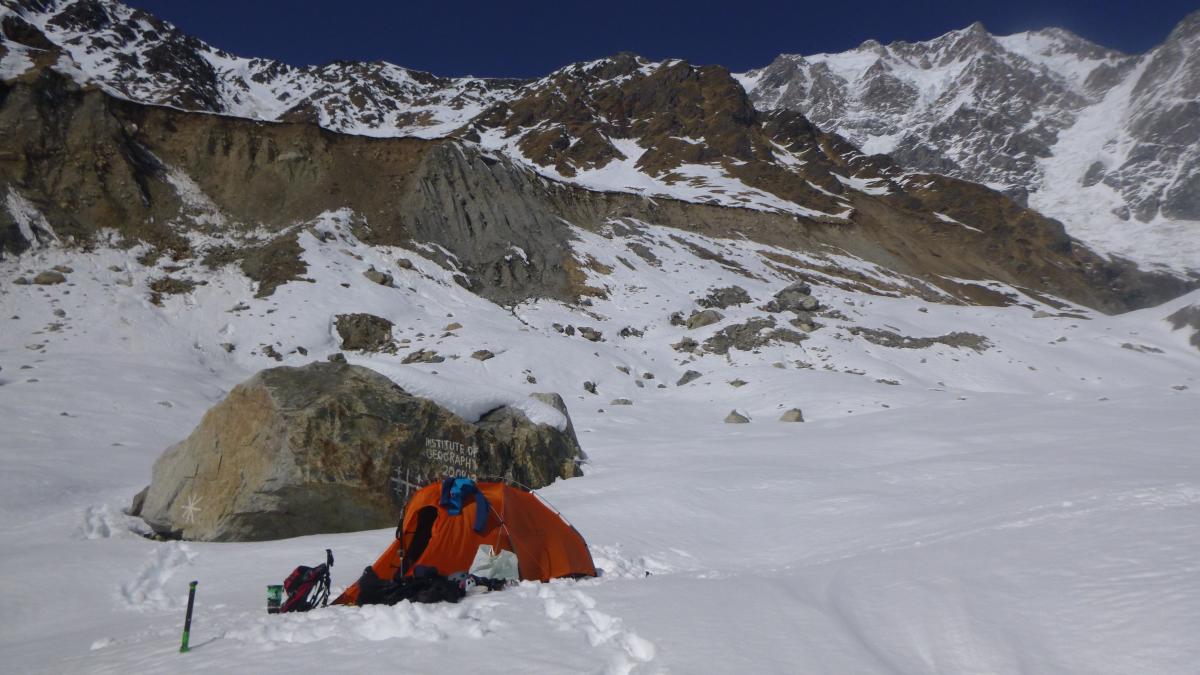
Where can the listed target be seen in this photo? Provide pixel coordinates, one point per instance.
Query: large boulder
(364, 332)
(332, 447)
(706, 317)
(796, 298)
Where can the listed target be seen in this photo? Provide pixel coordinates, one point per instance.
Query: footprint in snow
(572, 609)
(149, 590)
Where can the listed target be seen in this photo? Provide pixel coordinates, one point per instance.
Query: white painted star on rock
(191, 508)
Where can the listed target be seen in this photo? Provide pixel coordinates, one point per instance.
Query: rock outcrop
(364, 332)
(330, 447)
(750, 335)
(1187, 318)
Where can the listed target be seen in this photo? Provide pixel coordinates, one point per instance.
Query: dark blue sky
(523, 39)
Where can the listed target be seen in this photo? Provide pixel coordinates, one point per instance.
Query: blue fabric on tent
(455, 492)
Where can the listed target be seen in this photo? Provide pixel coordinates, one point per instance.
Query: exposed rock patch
(720, 298)
(1188, 317)
(887, 338)
(169, 285)
(750, 335)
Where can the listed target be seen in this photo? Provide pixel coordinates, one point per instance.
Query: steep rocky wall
(88, 162)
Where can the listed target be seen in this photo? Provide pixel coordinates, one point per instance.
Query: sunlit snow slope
(1030, 507)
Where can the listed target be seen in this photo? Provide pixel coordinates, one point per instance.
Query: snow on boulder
(331, 447)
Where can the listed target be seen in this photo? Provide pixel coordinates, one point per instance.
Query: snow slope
(1028, 508)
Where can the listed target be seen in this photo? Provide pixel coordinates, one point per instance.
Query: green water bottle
(274, 598)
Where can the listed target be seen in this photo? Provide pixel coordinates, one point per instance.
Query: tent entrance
(420, 538)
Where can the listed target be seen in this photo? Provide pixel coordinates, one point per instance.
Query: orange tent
(547, 547)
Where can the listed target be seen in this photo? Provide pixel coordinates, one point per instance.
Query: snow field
(1030, 508)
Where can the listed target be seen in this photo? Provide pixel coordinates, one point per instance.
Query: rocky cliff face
(1086, 134)
(497, 203)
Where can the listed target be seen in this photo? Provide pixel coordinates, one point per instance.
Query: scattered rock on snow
(423, 356)
(381, 278)
(590, 387)
(620, 401)
(49, 278)
(590, 334)
(1145, 349)
(793, 415)
(688, 377)
(735, 417)
(483, 355)
(687, 344)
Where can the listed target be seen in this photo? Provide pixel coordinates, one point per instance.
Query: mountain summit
(1108, 143)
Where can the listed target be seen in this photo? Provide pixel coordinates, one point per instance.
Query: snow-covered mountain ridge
(135, 55)
(1108, 143)
(131, 54)
(667, 143)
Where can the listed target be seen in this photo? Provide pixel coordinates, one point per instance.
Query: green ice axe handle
(187, 621)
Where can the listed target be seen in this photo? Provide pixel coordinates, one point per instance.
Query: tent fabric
(547, 547)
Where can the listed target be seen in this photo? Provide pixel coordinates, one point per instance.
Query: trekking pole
(187, 621)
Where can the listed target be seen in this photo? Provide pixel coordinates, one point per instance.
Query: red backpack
(307, 587)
